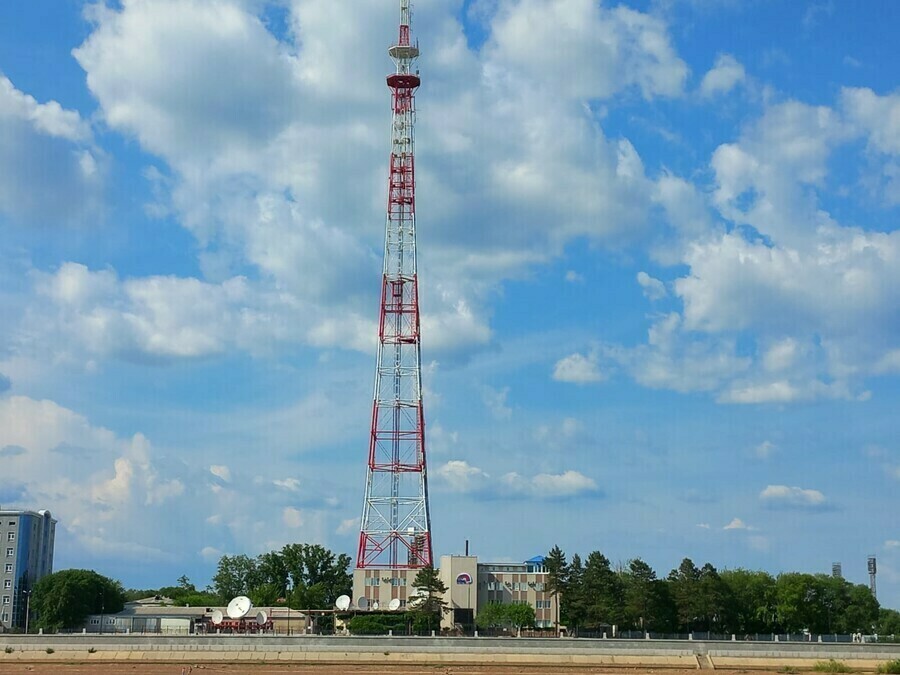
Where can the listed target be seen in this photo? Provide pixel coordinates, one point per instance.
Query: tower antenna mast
(395, 531)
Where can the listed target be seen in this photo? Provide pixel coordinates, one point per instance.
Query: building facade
(470, 585)
(27, 539)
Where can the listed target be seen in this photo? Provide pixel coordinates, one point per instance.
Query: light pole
(102, 607)
(289, 591)
(27, 595)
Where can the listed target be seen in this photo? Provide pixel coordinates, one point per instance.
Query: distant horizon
(659, 268)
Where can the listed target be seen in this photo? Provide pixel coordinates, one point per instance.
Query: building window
(10, 536)
(5, 617)
(9, 553)
(7, 583)
(5, 599)
(95, 622)
(373, 581)
(398, 581)
(9, 568)
(110, 620)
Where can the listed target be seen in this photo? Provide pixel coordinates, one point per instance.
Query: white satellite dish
(417, 597)
(394, 604)
(362, 602)
(261, 618)
(342, 603)
(217, 616)
(239, 607)
(375, 605)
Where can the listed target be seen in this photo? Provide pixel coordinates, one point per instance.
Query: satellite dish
(363, 602)
(239, 607)
(394, 604)
(217, 616)
(375, 605)
(343, 602)
(261, 618)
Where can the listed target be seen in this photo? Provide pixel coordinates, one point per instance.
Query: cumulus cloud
(578, 369)
(784, 497)
(49, 169)
(220, 471)
(737, 524)
(724, 76)
(653, 289)
(764, 450)
(460, 476)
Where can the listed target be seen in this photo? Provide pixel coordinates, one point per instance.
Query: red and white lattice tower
(396, 527)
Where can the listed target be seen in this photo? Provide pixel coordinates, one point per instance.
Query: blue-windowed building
(26, 554)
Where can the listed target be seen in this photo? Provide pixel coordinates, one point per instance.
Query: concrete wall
(647, 652)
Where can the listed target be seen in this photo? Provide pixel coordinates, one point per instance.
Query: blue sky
(658, 248)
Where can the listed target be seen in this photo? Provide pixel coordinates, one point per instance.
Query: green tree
(557, 574)
(714, 599)
(509, 615)
(428, 610)
(861, 613)
(684, 583)
(888, 622)
(604, 593)
(573, 611)
(640, 591)
(235, 575)
(753, 601)
(65, 599)
(318, 575)
(801, 603)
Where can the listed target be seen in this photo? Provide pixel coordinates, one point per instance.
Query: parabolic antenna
(239, 607)
(342, 603)
(417, 597)
(394, 604)
(375, 605)
(362, 602)
(261, 618)
(217, 616)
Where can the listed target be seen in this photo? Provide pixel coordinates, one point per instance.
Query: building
(26, 543)
(470, 585)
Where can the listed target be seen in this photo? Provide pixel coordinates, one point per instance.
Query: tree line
(595, 596)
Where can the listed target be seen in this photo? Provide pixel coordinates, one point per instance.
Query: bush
(92, 651)
(832, 666)
(49, 650)
(378, 624)
(8, 650)
(892, 667)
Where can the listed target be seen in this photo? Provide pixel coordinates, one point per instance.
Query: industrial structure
(27, 539)
(395, 531)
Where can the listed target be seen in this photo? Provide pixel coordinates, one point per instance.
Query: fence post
(733, 637)
(476, 633)
(691, 635)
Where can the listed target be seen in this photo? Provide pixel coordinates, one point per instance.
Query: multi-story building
(26, 555)
(470, 585)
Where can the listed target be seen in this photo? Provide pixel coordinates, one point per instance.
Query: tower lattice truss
(396, 526)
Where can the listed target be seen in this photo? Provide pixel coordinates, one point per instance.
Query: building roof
(536, 560)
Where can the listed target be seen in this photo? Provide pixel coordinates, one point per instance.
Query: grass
(832, 666)
(92, 651)
(788, 670)
(890, 667)
(8, 650)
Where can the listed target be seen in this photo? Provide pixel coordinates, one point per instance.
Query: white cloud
(724, 76)
(784, 497)
(578, 369)
(892, 543)
(289, 484)
(348, 526)
(574, 277)
(624, 47)
(737, 524)
(461, 477)
(496, 402)
(49, 171)
(292, 517)
(703, 526)
(653, 289)
(764, 450)
(221, 471)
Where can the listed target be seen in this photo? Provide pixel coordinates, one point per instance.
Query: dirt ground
(251, 669)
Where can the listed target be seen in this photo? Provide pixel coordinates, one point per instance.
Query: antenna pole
(395, 530)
